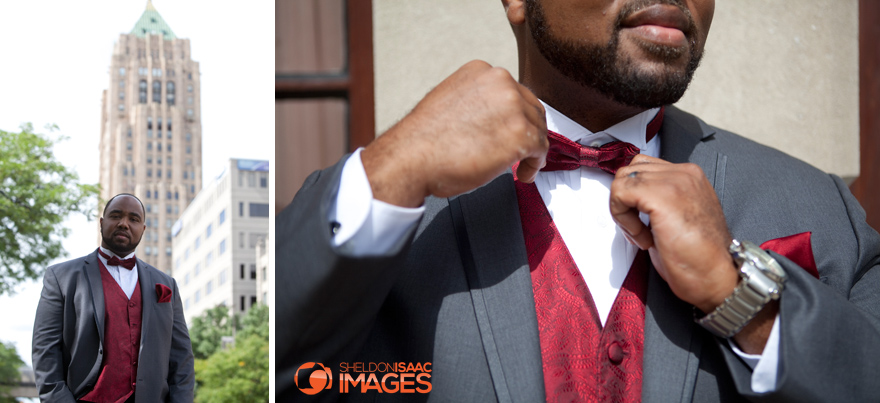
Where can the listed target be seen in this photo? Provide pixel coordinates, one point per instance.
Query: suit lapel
(93, 275)
(490, 239)
(148, 297)
(672, 344)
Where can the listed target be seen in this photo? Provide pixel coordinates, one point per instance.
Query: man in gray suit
(439, 264)
(109, 327)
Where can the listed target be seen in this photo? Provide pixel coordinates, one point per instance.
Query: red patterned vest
(122, 339)
(582, 361)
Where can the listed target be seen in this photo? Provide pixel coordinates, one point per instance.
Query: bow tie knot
(566, 155)
(115, 261)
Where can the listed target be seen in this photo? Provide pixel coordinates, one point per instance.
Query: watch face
(764, 261)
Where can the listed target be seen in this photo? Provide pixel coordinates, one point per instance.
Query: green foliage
(207, 329)
(239, 373)
(236, 375)
(10, 362)
(36, 194)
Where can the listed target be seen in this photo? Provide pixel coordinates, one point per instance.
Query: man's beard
(116, 247)
(605, 70)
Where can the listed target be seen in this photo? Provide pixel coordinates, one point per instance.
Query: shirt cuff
(764, 366)
(367, 226)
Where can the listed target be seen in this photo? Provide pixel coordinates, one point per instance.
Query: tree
(208, 329)
(10, 363)
(239, 373)
(36, 194)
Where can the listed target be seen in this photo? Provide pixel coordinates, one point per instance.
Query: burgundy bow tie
(115, 261)
(567, 155)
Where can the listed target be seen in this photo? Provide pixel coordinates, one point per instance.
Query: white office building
(214, 241)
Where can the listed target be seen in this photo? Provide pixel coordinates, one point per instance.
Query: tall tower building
(151, 131)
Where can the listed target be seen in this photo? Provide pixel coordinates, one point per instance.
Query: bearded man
(616, 261)
(109, 327)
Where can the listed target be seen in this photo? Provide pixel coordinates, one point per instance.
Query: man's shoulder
(750, 155)
(72, 264)
(156, 273)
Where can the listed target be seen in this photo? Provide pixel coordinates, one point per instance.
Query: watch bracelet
(737, 310)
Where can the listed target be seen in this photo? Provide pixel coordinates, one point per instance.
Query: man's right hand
(478, 122)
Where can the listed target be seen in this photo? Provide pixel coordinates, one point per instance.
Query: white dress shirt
(127, 279)
(577, 201)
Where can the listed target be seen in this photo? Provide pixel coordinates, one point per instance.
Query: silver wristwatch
(762, 281)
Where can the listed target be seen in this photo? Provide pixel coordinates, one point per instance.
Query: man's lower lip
(660, 35)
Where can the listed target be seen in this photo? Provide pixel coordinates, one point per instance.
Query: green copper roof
(151, 23)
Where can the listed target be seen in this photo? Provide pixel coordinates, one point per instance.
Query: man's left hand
(688, 236)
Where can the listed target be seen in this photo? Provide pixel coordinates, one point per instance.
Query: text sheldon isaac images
(363, 377)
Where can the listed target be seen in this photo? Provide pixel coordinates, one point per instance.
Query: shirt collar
(631, 130)
(111, 254)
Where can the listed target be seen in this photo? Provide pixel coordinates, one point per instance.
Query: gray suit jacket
(458, 293)
(69, 335)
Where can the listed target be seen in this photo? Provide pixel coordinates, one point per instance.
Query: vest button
(615, 353)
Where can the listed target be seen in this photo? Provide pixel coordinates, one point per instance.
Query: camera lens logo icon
(313, 377)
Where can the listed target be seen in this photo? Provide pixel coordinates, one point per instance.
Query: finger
(535, 109)
(644, 163)
(624, 205)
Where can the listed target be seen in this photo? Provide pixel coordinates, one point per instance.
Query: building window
(209, 258)
(168, 195)
(189, 100)
(188, 150)
(198, 295)
(149, 146)
(222, 216)
(142, 71)
(186, 254)
(129, 132)
(149, 133)
(158, 160)
(169, 147)
(222, 277)
(124, 171)
(149, 172)
(197, 243)
(189, 88)
(176, 196)
(169, 124)
(128, 146)
(222, 247)
(121, 107)
(241, 209)
(189, 112)
(168, 251)
(147, 250)
(198, 269)
(185, 175)
(149, 159)
(259, 209)
(168, 208)
(168, 173)
(142, 92)
(253, 300)
(188, 136)
(186, 279)
(148, 194)
(241, 268)
(253, 272)
(158, 146)
(157, 91)
(158, 173)
(168, 223)
(242, 303)
(241, 239)
(169, 92)
(208, 231)
(263, 181)
(121, 83)
(156, 71)
(121, 95)
(209, 287)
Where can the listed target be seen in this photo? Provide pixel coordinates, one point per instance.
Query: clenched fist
(465, 132)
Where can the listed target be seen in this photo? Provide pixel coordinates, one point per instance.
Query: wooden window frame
(355, 85)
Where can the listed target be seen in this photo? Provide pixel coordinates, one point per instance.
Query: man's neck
(586, 106)
(111, 253)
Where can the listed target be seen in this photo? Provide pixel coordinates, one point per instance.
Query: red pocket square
(796, 248)
(163, 293)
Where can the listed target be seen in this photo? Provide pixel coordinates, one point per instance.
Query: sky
(54, 65)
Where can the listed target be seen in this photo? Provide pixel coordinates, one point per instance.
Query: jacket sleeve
(48, 356)
(181, 375)
(829, 335)
(327, 299)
